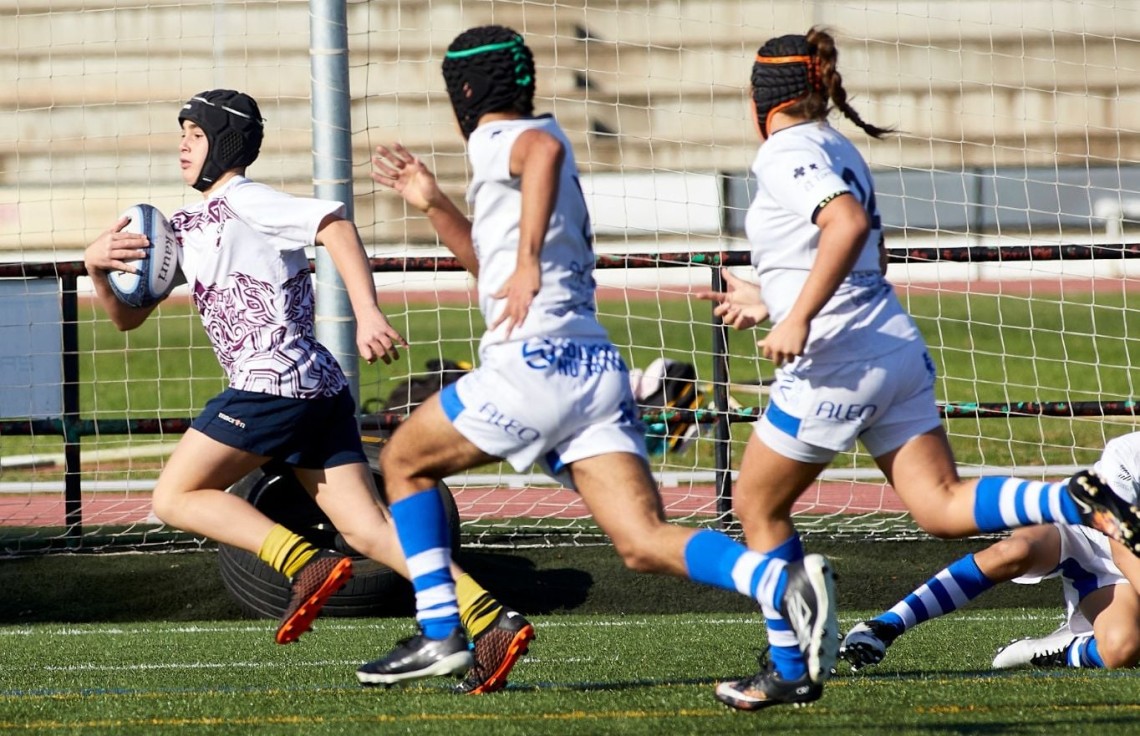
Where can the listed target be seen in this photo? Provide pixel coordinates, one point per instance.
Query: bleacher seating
(88, 122)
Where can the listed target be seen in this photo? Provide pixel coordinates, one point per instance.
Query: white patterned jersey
(564, 305)
(244, 259)
(798, 170)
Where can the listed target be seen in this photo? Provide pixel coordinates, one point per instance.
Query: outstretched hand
(399, 170)
(739, 305)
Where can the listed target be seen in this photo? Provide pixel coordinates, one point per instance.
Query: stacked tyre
(261, 591)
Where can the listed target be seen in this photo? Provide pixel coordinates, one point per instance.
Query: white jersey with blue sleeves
(564, 305)
(798, 170)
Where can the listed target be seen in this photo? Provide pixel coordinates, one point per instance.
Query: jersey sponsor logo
(571, 358)
(840, 412)
(492, 415)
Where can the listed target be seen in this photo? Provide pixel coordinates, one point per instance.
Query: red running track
(474, 502)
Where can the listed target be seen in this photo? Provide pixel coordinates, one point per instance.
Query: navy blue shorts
(306, 433)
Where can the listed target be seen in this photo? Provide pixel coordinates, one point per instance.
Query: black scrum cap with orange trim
(785, 70)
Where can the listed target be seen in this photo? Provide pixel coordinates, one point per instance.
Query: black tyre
(261, 591)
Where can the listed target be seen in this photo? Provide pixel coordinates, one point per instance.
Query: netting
(1016, 146)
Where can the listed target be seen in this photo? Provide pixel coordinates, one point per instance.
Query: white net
(1015, 127)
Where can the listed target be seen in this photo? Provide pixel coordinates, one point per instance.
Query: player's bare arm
(739, 306)
(843, 226)
(115, 250)
(375, 338)
(396, 168)
(536, 159)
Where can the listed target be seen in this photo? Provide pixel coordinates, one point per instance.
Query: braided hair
(797, 75)
(488, 69)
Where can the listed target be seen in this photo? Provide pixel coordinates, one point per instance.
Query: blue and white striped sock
(421, 525)
(715, 559)
(1002, 503)
(950, 589)
(1084, 653)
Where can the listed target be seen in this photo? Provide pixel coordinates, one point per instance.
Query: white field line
(549, 622)
(622, 623)
(148, 666)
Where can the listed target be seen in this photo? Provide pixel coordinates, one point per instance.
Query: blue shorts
(307, 433)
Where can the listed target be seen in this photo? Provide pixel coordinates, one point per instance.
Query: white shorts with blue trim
(1086, 565)
(816, 412)
(551, 401)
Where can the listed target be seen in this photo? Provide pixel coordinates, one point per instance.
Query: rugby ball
(158, 270)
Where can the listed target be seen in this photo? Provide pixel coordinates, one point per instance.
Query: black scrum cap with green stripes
(488, 69)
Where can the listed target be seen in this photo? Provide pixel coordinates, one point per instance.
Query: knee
(164, 504)
(937, 526)
(1119, 647)
(394, 462)
(637, 552)
(947, 514)
(1007, 558)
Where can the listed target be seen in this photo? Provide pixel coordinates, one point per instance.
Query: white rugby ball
(158, 270)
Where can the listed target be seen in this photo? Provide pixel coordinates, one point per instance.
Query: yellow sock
(285, 552)
(477, 608)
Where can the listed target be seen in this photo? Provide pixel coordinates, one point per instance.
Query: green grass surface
(644, 674)
(616, 653)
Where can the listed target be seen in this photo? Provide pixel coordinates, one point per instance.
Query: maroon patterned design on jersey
(261, 330)
(264, 338)
(216, 212)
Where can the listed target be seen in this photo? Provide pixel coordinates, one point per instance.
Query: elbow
(124, 325)
(128, 319)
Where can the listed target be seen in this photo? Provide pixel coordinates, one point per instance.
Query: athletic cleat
(323, 575)
(809, 606)
(866, 643)
(767, 688)
(1105, 511)
(418, 657)
(1047, 652)
(497, 650)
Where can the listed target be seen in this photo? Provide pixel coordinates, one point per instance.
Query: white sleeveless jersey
(798, 170)
(564, 305)
(244, 260)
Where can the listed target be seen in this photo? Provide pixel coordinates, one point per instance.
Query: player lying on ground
(851, 365)
(550, 387)
(1100, 580)
(243, 256)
